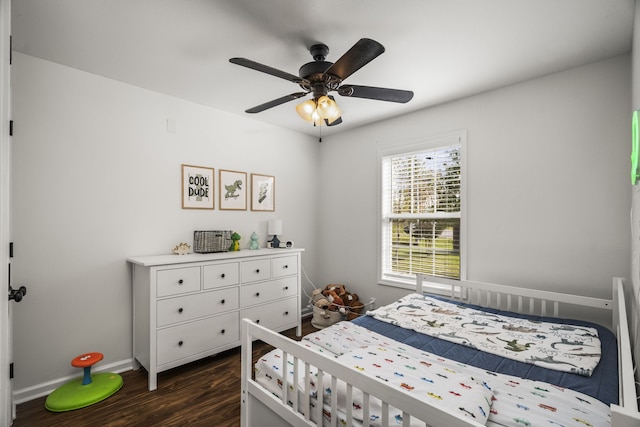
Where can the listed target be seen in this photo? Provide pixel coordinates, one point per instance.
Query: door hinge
(10, 249)
(11, 370)
(10, 127)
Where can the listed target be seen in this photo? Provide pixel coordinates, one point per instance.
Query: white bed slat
(385, 414)
(406, 419)
(334, 400)
(349, 405)
(307, 396)
(285, 389)
(365, 409)
(294, 392)
(319, 402)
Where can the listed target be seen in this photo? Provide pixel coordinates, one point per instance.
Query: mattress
(601, 385)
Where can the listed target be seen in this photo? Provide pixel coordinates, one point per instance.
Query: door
(7, 409)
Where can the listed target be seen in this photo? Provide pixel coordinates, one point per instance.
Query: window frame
(439, 285)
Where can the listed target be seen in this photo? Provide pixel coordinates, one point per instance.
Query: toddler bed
(416, 361)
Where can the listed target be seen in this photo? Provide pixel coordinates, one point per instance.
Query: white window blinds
(421, 212)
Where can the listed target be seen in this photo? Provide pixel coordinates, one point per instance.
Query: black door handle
(17, 294)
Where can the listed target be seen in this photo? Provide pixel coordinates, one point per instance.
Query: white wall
(548, 167)
(97, 178)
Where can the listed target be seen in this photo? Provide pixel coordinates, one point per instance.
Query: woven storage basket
(323, 318)
(205, 242)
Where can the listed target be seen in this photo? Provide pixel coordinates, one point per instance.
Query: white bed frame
(260, 407)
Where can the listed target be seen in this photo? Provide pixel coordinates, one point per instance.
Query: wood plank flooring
(202, 393)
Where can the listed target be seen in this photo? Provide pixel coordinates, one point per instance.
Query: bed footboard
(260, 407)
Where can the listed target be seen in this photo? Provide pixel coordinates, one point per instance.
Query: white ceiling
(440, 49)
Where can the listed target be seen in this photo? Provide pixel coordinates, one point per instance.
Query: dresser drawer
(190, 307)
(178, 281)
(284, 266)
(273, 290)
(253, 271)
(273, 315)
(192, 338)
(218, 275)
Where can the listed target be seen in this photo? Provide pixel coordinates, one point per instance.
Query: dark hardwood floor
(201, 393)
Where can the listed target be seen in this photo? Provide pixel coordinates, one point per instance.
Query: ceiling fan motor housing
(314, 72)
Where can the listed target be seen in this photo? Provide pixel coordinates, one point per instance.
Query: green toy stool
(85, 391)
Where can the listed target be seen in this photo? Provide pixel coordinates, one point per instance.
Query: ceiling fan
(320, 77)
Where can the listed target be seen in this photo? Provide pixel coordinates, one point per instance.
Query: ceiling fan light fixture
(316, 110)
(307, 110)
(328, 109)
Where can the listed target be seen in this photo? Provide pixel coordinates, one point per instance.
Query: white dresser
(186, 307)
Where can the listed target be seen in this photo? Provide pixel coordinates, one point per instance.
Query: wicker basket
(205, 242)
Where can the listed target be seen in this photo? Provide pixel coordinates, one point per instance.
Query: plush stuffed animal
(315, 296)
(354, 304)
(323, 305)
(338, 289)
(334, 299)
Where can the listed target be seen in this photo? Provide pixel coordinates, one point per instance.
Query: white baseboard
(29, 393)
(306, 312)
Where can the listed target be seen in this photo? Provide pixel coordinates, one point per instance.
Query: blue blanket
(602, 384)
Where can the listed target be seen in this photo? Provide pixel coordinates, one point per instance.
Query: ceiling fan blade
(379, 93)
(334, 123)
(360, 54)
(275, 102)
(265, 69)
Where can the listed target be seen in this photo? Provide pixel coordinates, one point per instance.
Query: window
(422, 219)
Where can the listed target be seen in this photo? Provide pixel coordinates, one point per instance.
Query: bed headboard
(529, 301)
(623, 317)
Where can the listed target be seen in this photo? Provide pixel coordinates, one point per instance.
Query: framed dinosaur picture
(263, 188)
(197, 187)
(233, 190)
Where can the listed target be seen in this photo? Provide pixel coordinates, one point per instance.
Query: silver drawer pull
(180, 343)
(180, 310)
(180, 282)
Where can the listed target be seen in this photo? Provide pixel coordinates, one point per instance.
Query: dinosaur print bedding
(561, 347)
(486, 397)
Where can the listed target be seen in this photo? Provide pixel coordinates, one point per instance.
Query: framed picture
(197, 187)
(233, 190)
(263, 192)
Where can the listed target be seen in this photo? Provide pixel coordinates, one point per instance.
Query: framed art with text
(233, 190)
(197, 187)
(263, 196)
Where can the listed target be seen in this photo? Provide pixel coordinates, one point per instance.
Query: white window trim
(431, 284)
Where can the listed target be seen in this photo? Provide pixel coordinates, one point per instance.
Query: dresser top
(153, 260)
